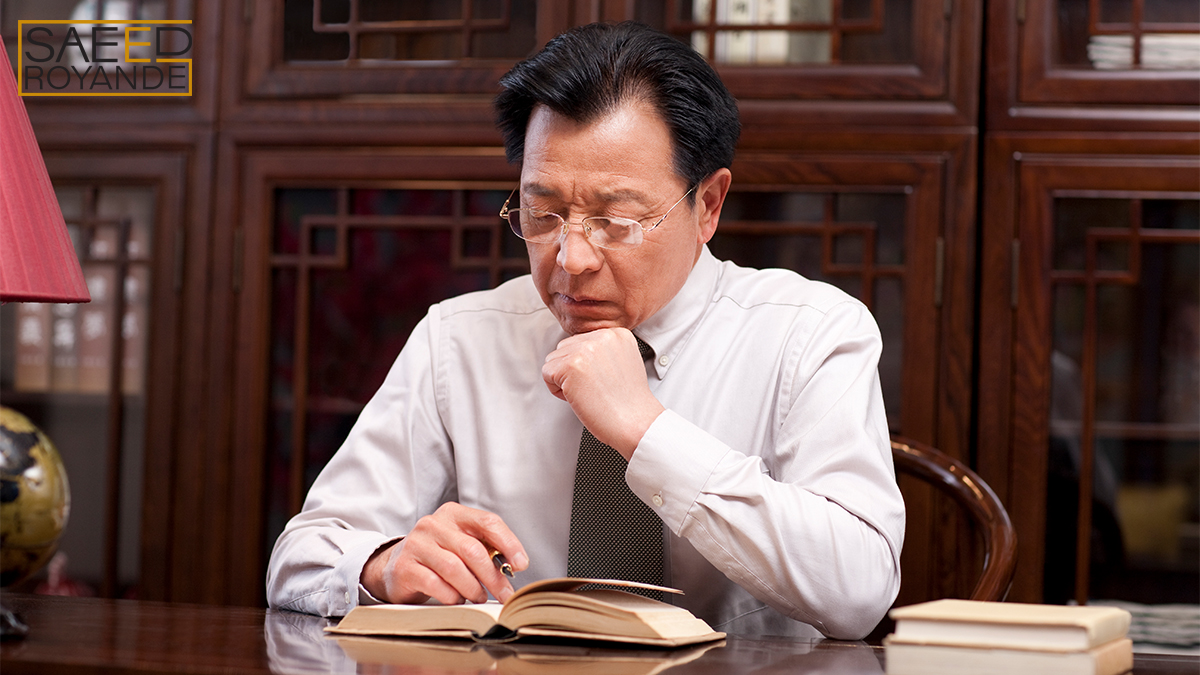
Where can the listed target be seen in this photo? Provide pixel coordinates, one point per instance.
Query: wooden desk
(73, 635)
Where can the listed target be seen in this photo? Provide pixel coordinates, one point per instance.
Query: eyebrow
(608, 197)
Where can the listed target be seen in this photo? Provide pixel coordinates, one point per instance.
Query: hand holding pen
(501, 562)
(453, 555)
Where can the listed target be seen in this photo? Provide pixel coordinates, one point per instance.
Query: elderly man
(738, 412)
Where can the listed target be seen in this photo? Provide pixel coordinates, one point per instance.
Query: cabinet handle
(939, 272)
(180, 257)
(1016, 270)
(238, 245)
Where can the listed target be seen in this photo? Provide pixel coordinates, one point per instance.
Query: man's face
(620, 165)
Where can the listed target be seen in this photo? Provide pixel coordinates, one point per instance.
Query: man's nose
(577, 254)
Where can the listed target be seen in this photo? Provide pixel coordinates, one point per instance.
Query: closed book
(903, 658)
(559, 608)
(738, 45)
(700, 14)
(64, 366)
(973, 623)
(33, 347)
(95, 328)
(771, 46)
(134, 328)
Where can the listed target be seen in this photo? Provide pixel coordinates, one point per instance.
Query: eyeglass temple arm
(504, 209)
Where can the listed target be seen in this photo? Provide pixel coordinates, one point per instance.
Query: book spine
(810, 46)
(64, 369)
(133, 330)
(700, 12)
(739, 45)
(95, 328)
(33, 347)
(771, 46)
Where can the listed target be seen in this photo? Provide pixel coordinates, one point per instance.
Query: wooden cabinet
(359, 132)
(1088, 421)
(133, 178)
(102, 378)
(1075, 64)
(338, 169)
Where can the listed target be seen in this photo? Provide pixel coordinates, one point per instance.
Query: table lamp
(37, 264)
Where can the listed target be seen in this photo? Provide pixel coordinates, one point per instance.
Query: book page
(603, 611)
(430, 620)
(912, 659)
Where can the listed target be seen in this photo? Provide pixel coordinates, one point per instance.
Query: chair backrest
(969, 491)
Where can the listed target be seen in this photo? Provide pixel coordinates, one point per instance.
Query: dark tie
(614, 535)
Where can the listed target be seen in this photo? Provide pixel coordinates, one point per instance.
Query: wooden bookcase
(313, 140)
(1091, 179)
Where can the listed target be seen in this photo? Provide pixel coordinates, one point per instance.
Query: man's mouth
(581, 301)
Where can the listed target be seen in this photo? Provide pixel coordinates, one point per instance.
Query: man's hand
(445, 557)
(602, 375)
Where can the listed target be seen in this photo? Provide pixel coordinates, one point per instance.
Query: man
(756, 432)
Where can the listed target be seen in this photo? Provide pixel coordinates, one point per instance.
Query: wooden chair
(985, 510)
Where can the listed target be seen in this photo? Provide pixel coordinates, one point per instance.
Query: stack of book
(73, 348)
(996, 638)
(1160, 51)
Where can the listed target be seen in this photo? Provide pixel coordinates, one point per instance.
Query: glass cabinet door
(352, 272)
(79, 372)
(1105, 361)
(769, 49)
(1137, 52)
(1125, 400)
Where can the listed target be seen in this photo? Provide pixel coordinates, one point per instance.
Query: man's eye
(611, 226)
(540, 220)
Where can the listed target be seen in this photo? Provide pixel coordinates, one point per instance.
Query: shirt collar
(670, 327)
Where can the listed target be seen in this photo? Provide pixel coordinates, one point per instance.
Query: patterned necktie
(614, 535)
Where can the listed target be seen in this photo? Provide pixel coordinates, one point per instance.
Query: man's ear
(710, 197)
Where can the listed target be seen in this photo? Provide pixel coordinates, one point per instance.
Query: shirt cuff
(671, 465)
(365, 597)
(348, 575)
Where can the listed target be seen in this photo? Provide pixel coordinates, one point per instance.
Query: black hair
(590, 71)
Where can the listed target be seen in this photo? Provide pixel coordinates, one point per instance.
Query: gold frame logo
(103, 76)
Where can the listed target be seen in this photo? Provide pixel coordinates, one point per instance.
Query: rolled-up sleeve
(812, 526)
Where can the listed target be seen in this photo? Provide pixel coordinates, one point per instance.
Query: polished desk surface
(75, 635)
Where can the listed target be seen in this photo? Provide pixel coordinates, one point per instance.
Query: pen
(501, 562)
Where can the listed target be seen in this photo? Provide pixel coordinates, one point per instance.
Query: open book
(520, 658)
(549, 608)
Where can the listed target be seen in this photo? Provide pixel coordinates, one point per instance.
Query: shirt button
(346, 595)
(657, 499)
(664, 360)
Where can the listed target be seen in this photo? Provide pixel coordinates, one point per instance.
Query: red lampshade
(37, 260)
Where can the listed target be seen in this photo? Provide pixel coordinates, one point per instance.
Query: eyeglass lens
(543, 227)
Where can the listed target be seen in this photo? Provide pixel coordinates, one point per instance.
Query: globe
(34, 498)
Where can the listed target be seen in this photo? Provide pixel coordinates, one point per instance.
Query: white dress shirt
(771, 466)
